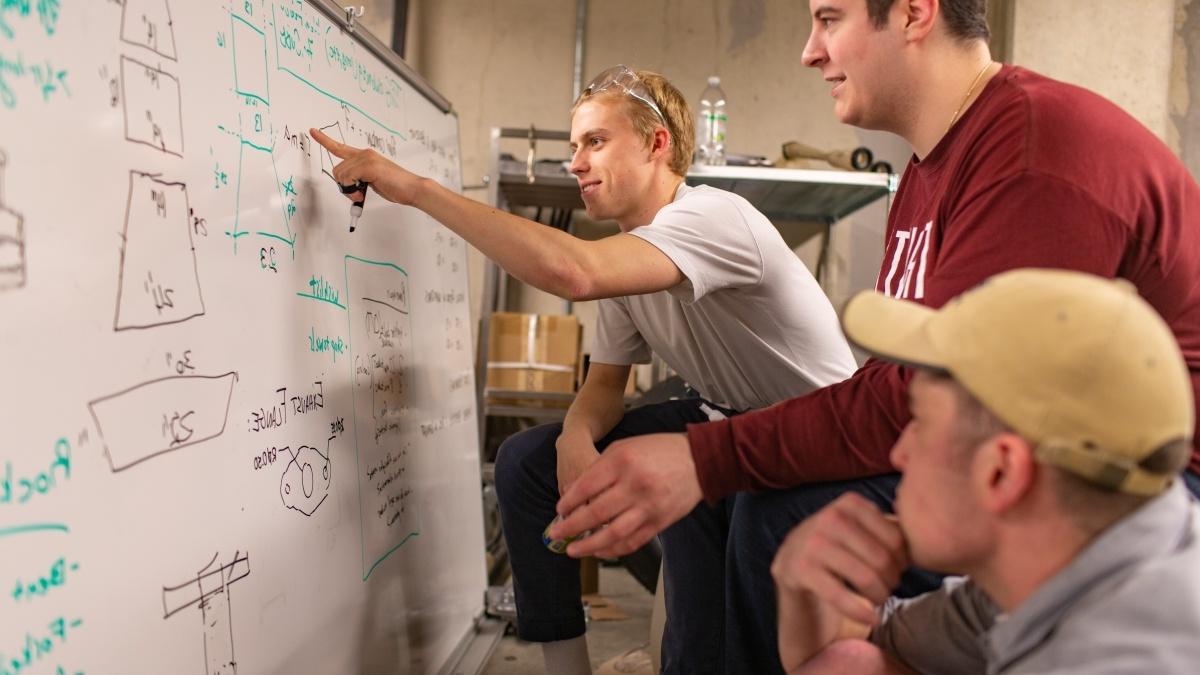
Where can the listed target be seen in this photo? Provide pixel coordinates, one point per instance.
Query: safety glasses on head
(621, 78)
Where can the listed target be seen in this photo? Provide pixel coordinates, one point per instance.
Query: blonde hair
(675, 111)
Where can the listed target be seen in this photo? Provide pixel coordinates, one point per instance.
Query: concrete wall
(510, 63)
(1144, 55)
(1184, 94)
(1121, 49)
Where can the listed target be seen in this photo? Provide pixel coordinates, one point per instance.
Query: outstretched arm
(540, 256)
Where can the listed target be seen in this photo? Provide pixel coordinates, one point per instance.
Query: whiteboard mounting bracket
(352, 15)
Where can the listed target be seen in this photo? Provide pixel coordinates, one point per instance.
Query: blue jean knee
(521, 455)
(1192, 482)
(546, 584)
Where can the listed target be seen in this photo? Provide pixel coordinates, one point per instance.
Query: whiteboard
(237, 437)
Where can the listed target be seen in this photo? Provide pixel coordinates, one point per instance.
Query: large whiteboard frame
(266, 336)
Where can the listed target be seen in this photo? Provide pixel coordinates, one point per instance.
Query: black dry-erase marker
(356, 207)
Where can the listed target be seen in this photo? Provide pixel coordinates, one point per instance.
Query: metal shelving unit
(781, 194)
(798, 194)
(823, 197)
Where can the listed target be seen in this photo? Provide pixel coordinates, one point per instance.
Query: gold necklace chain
(970, 90)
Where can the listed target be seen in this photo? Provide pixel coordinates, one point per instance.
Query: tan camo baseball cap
(1077, 364)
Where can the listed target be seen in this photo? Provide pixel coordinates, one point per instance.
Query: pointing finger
(336, 148)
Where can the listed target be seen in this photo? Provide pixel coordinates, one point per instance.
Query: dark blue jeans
(1192, 482)
(547, 584)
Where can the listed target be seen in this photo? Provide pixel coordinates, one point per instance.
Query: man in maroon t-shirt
(1009, 169)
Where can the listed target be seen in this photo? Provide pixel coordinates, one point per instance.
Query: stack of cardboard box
(533, 353)
(537, 353)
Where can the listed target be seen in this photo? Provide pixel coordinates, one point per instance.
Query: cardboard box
(533, 352)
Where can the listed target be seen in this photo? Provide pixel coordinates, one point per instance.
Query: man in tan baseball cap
(1052, 414)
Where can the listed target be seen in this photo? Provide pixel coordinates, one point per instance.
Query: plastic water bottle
(710, 129)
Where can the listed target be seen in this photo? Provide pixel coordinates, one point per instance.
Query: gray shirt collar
(1155, 529)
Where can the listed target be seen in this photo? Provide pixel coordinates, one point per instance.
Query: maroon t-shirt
(1037, 173)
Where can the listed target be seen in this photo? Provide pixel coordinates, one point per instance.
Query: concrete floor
(606, 639)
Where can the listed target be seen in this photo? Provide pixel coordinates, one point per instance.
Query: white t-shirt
(749, 325)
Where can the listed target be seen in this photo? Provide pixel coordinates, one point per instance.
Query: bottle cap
(714, 81)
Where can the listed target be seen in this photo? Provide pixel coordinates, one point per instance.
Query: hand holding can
(559, 545)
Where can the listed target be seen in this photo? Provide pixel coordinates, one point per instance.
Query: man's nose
(814, 52)
(578, 163)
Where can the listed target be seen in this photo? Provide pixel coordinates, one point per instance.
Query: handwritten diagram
(258, 171)
(159, 416)
(147, 23)
(328, 161)
(303, 46)
(250, 61)
(159, 282)
(153, 107)
(209, 590)
(304, 485)
(12, 240)
(381, 340)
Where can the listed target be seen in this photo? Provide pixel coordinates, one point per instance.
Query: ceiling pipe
(581, 8)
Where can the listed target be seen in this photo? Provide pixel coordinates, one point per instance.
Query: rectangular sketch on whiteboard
(381, 351)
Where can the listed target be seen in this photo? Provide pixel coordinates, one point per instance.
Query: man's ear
(1004, 471)
(917, 16)
(661, 142)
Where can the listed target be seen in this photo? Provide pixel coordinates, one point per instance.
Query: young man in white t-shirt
(697, 276)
